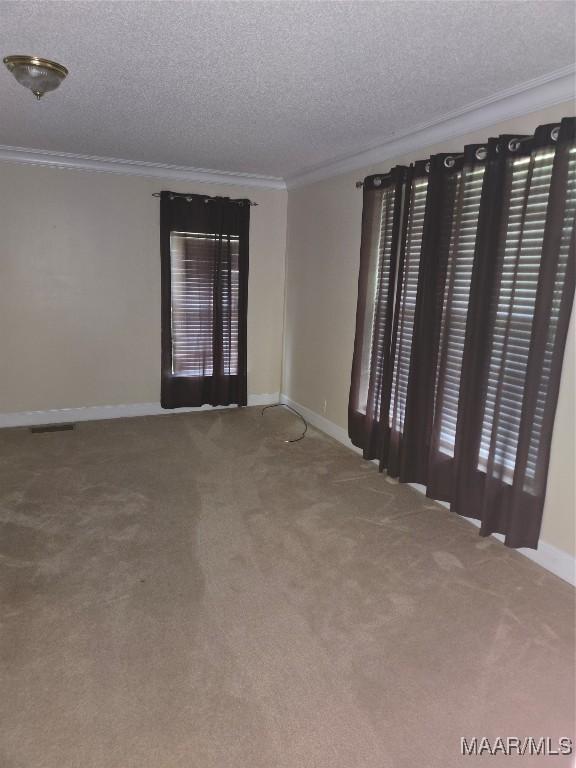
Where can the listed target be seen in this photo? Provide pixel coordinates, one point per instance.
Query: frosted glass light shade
(39, 75)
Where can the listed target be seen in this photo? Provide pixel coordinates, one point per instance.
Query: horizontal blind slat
(194, 265)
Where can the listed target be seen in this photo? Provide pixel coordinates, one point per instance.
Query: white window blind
(409, 288)
(377, 306)
(517, 289)
(460, 261)
(193, 260)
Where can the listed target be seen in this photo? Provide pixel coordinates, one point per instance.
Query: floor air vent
(52, 428)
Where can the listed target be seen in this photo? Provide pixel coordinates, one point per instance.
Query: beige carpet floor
(189, 591)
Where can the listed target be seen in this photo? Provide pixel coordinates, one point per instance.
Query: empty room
(287, 397)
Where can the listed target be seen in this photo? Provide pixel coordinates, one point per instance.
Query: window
(192, 271)
(407, 310)
(520, 260)
(377, 306)
(535, 475)
(204, 257)
(460, 261)
(475, 310)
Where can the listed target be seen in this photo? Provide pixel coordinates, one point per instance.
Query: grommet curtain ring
(191, 198)
(555, 132)
(481, 153)
(377, 181)
(514, 145)
(449, 162)
(427, 166)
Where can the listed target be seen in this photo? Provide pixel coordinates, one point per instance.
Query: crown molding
(47, 158)
(549, 90)
(542, 92)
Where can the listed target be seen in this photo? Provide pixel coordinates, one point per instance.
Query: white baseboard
(555, 560)
(99, 412)
(321, 423)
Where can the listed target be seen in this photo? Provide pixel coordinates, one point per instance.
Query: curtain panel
(382, 233)
(464, 298)
(204, 274)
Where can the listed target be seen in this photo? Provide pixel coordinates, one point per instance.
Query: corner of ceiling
(546, 91)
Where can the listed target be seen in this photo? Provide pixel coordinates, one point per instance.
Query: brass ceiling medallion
(39, 75)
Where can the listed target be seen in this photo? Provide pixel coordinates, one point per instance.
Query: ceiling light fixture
(39, 75)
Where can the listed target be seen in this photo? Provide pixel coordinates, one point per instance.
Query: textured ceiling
(265, 87)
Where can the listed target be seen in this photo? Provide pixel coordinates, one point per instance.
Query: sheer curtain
(204, 257)
(483, 284)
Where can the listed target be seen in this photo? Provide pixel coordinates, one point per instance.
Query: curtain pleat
(419, 413)
(466, 323)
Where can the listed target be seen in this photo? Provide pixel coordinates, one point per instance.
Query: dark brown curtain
(204, 258)
(522, 295)
(379, 255)
(484, 287)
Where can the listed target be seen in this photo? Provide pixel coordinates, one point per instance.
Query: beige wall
(321, 289)
(80, 287)
(80, 296)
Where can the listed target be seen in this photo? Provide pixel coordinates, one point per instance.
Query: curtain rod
(513, 146)
(206, 199)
